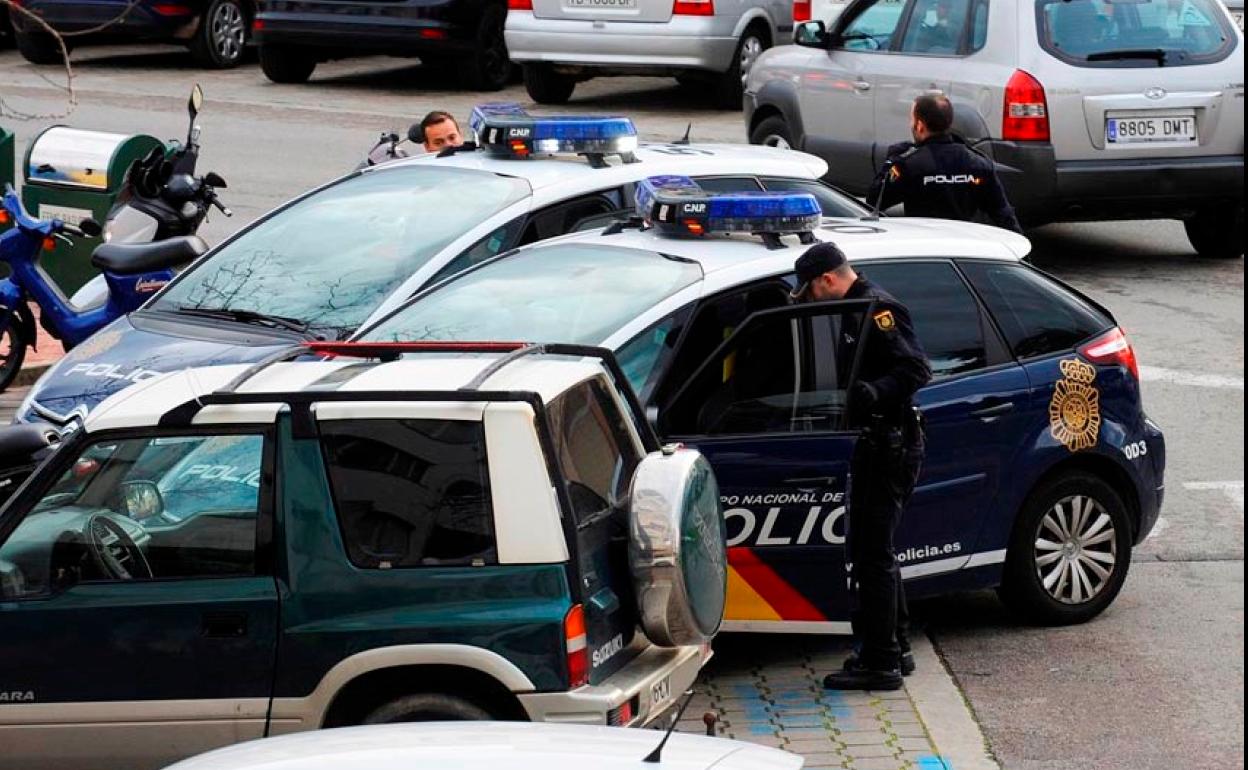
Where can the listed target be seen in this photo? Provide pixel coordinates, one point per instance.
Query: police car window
(1095, 33)
(1036, 315)
(645, 356)
(832, 202)
(944, 312)
(410, 493)
(726, 184)
(594, 449)
(873, 29)
(487, 248)
(936, 27)
(141, 508)
(563, 218)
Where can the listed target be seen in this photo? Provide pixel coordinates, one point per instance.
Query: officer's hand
(864, 395)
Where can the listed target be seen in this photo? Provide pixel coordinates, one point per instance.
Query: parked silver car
(1092, 109)
(709, 45)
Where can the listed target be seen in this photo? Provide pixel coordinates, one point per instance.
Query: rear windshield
(1134, 33)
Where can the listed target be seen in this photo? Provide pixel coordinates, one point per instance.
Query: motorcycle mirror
(90, 228)
(196, 102)
(213, 179)
(415, 135)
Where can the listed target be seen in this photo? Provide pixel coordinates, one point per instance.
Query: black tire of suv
(38, 47)
(1022, 589)
(211, 47)
(11, 364)
(545, 86)
(286, 64)
(727, 89)
(427, 707)
(488, 68)
(1218, 232)
(769, 129)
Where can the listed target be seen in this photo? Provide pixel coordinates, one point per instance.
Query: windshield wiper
(246, 316)
(1156, 54)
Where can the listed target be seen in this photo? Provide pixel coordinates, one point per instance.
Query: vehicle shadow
(155, 56)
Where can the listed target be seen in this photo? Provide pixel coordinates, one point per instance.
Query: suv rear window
(1037, 315)
(410, 493)
(595, 450)
(1134, 33)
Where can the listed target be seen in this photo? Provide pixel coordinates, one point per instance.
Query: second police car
(1042, 469)
(333, 260)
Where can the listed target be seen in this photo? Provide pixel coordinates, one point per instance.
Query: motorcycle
(161, 199)
(131, 273)
(389, 147)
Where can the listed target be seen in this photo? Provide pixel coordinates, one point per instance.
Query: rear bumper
(1044, 189)
(681, 43)
(1151, 498)
(591, 704)
(396, 30)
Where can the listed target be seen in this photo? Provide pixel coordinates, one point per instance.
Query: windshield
(1135, 33)
(330, 259)
(574, 293)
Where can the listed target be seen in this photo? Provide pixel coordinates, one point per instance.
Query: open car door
(770, 410)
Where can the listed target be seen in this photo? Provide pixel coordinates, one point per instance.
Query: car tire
(1071, 527)
(286, 64)
(1217, 232)
(728, 89)
(489, 66)
(772, 132)
(38, 47)
(12, 352)
(427, 707)
(221, 40)
(545, 86)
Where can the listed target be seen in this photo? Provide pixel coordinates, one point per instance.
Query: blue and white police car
(1042, 469)
(347, 253)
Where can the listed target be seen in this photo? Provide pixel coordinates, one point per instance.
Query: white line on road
(1233, 490)
(1190, 379)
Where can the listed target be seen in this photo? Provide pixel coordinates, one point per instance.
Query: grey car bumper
(681, 43)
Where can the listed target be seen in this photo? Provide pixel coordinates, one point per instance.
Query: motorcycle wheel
(12, 353)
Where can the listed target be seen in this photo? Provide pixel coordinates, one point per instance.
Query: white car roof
(144, 404)
(489, 746)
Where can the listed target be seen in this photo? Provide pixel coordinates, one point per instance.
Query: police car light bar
(676, 204)
(506, 130)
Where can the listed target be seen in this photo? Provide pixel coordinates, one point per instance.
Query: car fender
(307, 713)
(779, 95)
(753, 15)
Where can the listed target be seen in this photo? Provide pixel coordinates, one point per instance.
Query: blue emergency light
(676, 204)
(506, 130)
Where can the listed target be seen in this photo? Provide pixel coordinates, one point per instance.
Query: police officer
(938, 175)
(893, 367)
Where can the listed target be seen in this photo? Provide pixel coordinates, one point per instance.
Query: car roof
(570, 172)
(144, 404)
(489, 745)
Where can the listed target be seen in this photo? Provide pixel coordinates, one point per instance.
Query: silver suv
(708, 45)
(1091, 109)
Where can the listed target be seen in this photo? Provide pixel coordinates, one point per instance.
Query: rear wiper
(1156, 54)
(247, 317)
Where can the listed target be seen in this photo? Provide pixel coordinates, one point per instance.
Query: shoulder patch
(885, 321)
(894, 172)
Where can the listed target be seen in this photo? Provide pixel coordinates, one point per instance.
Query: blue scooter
(133, 272)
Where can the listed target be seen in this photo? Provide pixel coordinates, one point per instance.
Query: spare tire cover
(676, 549)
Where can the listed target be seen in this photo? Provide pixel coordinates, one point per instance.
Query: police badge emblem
(1075, 410)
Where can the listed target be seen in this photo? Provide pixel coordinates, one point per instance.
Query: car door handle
(990, 413)
(861, 86)
(224, 625)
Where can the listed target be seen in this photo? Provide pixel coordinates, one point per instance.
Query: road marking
(1232, 490)
(1159, 526)
(1190, 379)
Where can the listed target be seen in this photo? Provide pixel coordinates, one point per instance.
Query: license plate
(1161, 129)
(601, 5)
(660, 691)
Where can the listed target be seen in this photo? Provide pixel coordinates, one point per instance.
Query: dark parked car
(466, 36)
(214, 30)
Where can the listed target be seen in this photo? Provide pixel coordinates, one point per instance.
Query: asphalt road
(1157, 681)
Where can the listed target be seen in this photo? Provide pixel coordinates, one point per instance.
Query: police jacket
(943, 177)
(894, 364)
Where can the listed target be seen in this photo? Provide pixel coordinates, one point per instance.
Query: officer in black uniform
(939, 175)
(893, 367)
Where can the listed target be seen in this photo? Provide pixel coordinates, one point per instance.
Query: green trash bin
(71, 174)
(8, 157)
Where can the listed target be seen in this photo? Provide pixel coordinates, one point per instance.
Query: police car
(334, 259)
(1042, 468)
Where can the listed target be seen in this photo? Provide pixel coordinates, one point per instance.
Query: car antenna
(684, 139)
(656, 756)
(874, 216)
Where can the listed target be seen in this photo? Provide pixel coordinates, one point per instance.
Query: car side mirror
(812, 34)
(142, 499)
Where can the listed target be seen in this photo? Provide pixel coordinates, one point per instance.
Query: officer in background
(439, 131)
(938, 175)
(893, 367)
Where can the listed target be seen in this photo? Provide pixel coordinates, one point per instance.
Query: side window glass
(410, 493)
(946, 317)
(833, 203)
(644, 357)
(873, 29)
(728, 184)
(936, 27)
(979, 27)
(595, 451)
(141, 508)
(1037, 315)
(490, 246)
(564, 217)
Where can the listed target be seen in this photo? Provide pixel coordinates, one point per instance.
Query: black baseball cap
(818, 259)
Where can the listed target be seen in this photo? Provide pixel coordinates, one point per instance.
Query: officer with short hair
(439, 131)
(893, 367)
(939, 175)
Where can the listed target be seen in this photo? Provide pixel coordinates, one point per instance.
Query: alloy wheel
(776, 140)
(227, 29)
(751, 49)
(1076, 549)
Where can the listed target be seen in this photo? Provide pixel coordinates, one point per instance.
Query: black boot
(907, 663)
(864, 679)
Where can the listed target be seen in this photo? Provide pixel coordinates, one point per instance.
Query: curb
(945, 713)
(29, 374)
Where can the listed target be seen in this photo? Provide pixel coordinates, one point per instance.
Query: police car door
(768, 409)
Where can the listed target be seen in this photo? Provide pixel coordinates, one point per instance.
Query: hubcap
(1076, 549)
(227, 29)
(775, 140)
(751, 48)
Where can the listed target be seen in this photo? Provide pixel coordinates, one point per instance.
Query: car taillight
(519, 5)
(1111, 348)
(172, 9)
(577, 646)
(257, 25)
(693, 8)
(801, 11)
(1026, 110)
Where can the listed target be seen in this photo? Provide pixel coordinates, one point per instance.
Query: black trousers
(886, 467)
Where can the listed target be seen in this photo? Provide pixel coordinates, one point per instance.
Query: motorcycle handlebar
(224, 209)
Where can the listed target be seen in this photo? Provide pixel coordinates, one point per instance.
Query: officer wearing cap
(893, 367)
(938, 175)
